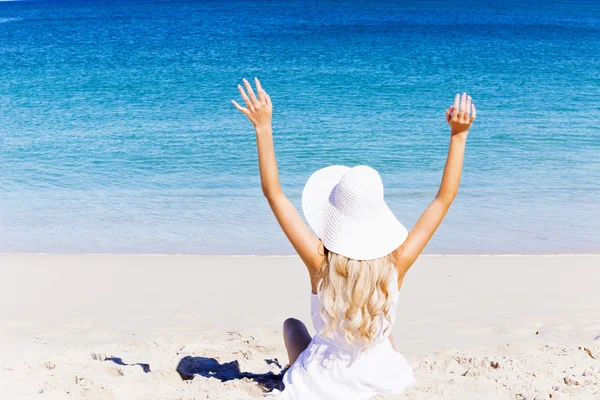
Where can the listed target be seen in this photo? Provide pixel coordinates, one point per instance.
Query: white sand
(116, 327)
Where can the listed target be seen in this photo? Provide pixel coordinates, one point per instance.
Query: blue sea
(117, 134)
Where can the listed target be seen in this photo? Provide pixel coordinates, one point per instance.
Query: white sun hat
(345, 208)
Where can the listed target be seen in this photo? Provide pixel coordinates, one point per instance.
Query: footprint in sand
(99, 356)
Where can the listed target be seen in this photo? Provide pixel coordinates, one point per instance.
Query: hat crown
(359, 193)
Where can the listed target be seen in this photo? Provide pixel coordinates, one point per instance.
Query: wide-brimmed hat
(345, 208)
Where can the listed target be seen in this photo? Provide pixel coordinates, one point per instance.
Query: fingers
(253, 104)
(449, 113)
(455, 107)
(251, 92)
(246, 99)
(242, 109)
(463, 106)
(463, 109)
(462, 112)
(259, 89)
(468, 107)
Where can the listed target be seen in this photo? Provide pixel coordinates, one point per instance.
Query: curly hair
(354, 294)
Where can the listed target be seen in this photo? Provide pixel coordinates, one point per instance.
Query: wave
(4, 20)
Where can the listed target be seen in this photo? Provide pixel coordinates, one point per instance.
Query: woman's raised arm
(259, 110)
(459, 116)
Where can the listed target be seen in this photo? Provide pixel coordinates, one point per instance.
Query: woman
(356, 263)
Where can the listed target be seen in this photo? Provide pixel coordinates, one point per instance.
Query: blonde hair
(354, 294)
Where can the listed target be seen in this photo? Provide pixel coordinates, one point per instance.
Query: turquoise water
(117, 134)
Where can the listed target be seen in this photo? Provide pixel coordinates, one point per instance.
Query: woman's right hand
(461, 115)
(259, 110)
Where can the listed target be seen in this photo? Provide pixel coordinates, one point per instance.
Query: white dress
(331, 369)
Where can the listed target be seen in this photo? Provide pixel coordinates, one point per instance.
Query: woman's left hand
(259, 110)
(461, 115)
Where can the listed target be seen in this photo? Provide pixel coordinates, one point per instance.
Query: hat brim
(356, 239)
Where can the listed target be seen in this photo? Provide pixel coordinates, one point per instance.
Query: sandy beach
(204, 327)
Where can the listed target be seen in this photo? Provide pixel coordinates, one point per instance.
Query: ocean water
(117, 134)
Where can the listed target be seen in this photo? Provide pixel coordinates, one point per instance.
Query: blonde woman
(356, 263)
